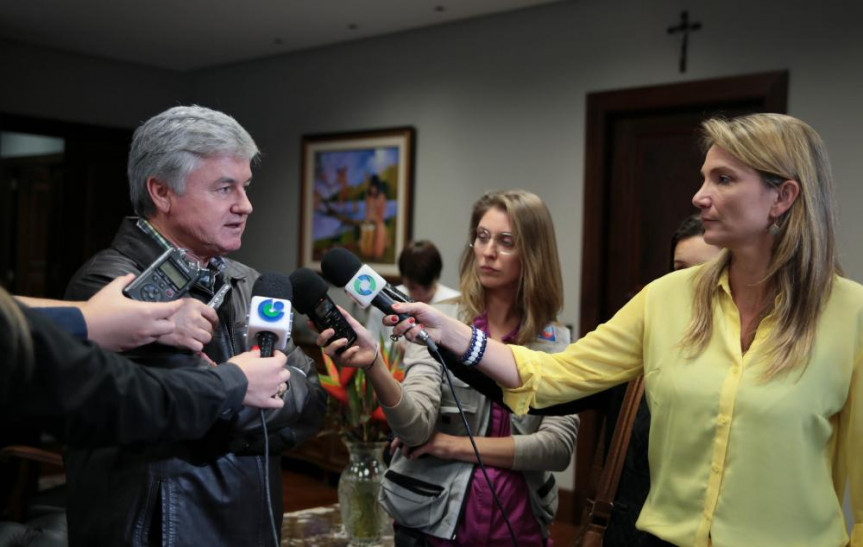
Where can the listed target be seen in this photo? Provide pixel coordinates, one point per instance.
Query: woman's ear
(787, 193)
(160, 193)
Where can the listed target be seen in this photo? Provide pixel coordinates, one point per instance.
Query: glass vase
(364, 519)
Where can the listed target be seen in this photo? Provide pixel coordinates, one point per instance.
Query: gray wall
(500, 102)
(45, 83)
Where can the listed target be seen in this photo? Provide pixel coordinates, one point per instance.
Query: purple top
(482, 522)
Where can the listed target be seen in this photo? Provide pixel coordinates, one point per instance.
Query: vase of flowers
(358, 417)
(363, 517)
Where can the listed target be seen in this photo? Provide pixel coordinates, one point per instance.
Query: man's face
(210, 217)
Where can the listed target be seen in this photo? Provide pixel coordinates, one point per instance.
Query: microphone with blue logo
(365, 286)
(270, 316)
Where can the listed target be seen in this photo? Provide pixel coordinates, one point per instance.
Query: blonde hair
(803, 261)
(540, 291)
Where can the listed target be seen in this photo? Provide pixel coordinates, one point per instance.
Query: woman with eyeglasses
(511, 289)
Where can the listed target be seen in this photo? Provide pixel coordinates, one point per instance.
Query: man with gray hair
(189, 171)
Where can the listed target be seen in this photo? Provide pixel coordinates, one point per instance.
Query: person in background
(511, 289)
(420, 265)
(189, 173)
(688, 247)
(753, 362)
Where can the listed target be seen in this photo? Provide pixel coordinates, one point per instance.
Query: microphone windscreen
(339, 265)
(310, 289)
(273, 285)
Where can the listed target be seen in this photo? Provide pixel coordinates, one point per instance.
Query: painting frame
(356, 192)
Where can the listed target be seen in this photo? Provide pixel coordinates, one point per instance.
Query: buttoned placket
(740, 362)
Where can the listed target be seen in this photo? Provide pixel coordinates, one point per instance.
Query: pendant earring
(774, 229)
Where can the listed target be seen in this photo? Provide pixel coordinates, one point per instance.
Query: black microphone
(342, 268)
(270, 314)
(312, 300)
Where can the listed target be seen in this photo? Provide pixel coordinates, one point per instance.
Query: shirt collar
(723, 282)
(207, 276)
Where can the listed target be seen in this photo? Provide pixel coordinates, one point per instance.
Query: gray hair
(170, 145)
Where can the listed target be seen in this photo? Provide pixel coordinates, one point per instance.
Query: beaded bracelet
(476, 349)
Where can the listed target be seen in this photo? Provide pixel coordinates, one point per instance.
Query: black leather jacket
(210, 491)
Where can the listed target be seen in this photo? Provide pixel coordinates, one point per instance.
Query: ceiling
(192, 34)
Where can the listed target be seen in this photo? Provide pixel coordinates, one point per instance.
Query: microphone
(313, 301)
(270, 315)
(365, 286)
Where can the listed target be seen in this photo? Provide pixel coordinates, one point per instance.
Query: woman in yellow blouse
(752, 362)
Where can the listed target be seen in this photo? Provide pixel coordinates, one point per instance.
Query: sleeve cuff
(519, 399)
(68, 318)
(235, 383)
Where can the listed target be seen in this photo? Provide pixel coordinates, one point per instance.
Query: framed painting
(356, 193)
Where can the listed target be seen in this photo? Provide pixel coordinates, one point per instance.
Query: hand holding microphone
(265, 375)
(411, 319)
(338, 331)
(366, 287)
(314, 302)
(270, 317)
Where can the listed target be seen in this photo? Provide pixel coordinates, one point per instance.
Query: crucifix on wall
(685, 27)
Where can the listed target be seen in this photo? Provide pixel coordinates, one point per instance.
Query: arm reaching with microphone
(497, 361)
(91, 397)
(304, 401)
(366, 287)
(363, 354)
(265, 375)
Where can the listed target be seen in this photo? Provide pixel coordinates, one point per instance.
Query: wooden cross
(685, 28)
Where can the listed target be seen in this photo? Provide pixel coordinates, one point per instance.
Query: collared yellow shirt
(733, 458)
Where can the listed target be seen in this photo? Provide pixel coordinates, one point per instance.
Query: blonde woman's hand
(360, 354)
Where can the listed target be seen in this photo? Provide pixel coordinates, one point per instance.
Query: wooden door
(642, 163)
(57, 211)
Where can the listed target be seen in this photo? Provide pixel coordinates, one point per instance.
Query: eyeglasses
(504, 241)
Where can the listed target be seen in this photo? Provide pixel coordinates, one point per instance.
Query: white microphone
(270, 317)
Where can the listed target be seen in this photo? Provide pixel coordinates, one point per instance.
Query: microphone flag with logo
(270, 317)
(365, 286)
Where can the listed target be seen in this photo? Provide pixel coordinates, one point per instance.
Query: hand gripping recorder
(166, 279)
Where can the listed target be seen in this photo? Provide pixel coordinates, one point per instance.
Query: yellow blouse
(732, 458)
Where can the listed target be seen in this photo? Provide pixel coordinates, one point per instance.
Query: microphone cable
(448, 375)
(267, 479)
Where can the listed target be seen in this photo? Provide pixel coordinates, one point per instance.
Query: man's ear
(787, 193)
(160, 193)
